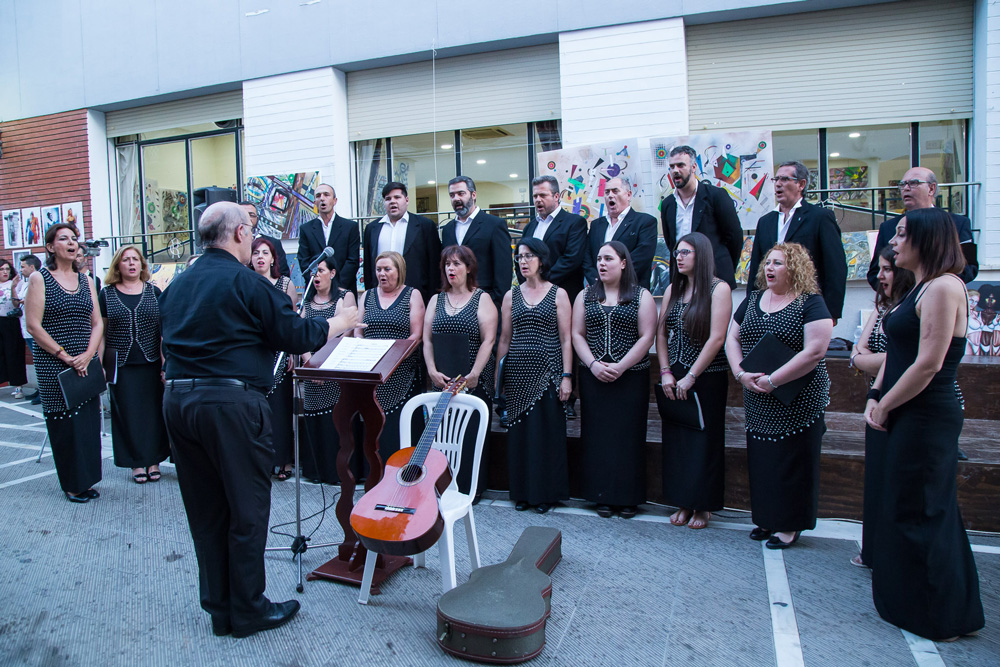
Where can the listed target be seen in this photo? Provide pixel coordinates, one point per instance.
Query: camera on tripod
(93, 248)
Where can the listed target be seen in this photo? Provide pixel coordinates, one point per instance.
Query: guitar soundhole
(410, 474)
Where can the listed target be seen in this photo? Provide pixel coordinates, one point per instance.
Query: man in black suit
(486, 236)
(282, 260)
(412, 236)
(919, 190)
(334, 231)
(634, 229)
(564, 234)
(697, 206)
(813, 227)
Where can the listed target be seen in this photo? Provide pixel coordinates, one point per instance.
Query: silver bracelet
(740, 375)
(773, 386)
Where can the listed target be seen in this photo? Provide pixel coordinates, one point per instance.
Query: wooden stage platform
(843, 458)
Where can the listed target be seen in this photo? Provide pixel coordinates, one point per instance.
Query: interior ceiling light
(480, 161)
(854, 135)
(430, 182)
(445, 147)
(834, 154)
(513, 175)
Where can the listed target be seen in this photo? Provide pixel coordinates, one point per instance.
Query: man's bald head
(219, 223)
(918, 188)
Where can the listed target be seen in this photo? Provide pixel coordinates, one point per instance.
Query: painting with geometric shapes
(285, 202)
(740, 163)
(584, 171)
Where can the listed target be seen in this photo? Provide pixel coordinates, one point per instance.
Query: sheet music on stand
(356, 354)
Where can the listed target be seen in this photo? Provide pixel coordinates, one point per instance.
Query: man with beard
(486, 236)
(564, 234)
(813, 227)
(697, 206)
(334, 231)
(412, 236)
(637, 231)
(919, 190)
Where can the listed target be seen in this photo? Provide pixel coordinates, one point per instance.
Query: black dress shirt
(964, 226)
(220, 319)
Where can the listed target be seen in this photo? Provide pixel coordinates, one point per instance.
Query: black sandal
(140, 478)
(284, 475)
(155, 475)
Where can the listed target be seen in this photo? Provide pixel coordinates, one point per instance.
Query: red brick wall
(44, 163)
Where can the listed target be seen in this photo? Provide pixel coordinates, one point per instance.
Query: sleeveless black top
(133, 323)
(534, 360)
(67, 320)
(321, 398)
(681, 347)
(611, 331)
(392, 323)
(465, 321)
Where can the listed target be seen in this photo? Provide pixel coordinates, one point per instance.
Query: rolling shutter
(178, 113)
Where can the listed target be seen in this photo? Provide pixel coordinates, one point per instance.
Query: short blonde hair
(114, 276)
(801, 270)
(397, 260)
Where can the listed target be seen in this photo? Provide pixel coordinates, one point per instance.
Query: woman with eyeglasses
(689, 345)
(461, 309)
(614, 322)
(924, 576)
(537, 379)
(263, 260)
(783, 441)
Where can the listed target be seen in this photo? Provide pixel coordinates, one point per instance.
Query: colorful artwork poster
(584, 171)
(740, 163)
(13, 230)
(743, 267)
(859, 251)
(661, 268)
(73, 214)
(284, 201)
(51, 215)
(983, 337)
(18, 255)
(161, 274)
(849, 178)
(31, 218)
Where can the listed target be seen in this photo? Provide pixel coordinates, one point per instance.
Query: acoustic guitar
(400, 515)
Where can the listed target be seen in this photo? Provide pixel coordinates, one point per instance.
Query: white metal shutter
(885, 63)
(500, 87)
(163, 116)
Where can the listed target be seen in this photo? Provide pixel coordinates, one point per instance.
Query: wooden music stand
(357, 396)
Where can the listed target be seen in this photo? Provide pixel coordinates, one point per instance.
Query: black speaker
(203, 198)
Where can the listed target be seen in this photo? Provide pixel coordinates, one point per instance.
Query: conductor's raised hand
(345, 320)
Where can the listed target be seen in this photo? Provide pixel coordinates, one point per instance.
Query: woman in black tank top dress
(924, 576)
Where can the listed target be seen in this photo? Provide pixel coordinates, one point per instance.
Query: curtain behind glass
(129, 207)
(371, 176)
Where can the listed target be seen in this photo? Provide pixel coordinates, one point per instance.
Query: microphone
(327, 252)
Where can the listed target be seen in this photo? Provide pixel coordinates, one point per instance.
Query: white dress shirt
(783, 222)
(544, 224)
(326, 228)
(392, 236)
(685, 216)
(462, 226)
(609, 235)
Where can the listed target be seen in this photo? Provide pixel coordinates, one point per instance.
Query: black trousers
(221, 443)
(12, 368)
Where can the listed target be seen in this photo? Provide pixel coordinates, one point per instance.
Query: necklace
(452, 309)
(770, 304)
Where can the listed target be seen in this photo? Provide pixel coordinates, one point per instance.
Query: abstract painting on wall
(31, 218)
(858, 249)
(983, 336)
(161, 274)
(13, 232)
(849, 178)
(743, 268)
(285, 201)
(740, 163)
(584, 171)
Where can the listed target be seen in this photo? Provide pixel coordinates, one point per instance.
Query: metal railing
(879, 199)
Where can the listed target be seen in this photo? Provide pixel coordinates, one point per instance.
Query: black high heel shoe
(82, 498)
(759, 534)
(775, 542)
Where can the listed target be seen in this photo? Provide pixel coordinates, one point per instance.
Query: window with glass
(942, 150)
(424, 163)
(803, 146)
(496, 158)
(866, 157)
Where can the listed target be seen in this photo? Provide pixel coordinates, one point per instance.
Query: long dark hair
(903, 281)
(628, 288)
(934, 236)
(258, 242)
(698, 316)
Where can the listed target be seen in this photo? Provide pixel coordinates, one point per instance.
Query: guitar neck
(431, 429)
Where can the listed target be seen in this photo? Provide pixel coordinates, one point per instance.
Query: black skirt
(875, 444)
(694, 462)
(280, 401)
(613, 437)
(784, 479)
(924, 576)
(12, 368)
(464, 477)
(138, 434)
(75, 438)
(536, 453)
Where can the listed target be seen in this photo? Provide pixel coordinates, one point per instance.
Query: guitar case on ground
(499, 615)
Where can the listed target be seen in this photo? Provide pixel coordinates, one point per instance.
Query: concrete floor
(114, 582)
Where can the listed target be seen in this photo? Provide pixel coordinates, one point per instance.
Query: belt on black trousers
(190, 383)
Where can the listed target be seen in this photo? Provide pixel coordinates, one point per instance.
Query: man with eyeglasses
(813, 227)
(637, 231)
(564, 233)
(919, 190)
(251, 210)
(698, 206)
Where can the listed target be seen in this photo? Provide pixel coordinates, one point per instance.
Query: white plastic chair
(454, 504)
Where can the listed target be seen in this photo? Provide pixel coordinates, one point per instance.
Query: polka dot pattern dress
(466, 321)
(67, 319)
(321, 398)
(392, 323)
(534, 361)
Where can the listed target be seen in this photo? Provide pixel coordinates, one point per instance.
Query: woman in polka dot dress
(783, 442)
(65, 323)
(394, 311)
(537, 351)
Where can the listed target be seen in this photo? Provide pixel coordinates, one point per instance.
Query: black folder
(686, 413)
(767, 356)
(110, 364)
(451, 354)
(78, 390)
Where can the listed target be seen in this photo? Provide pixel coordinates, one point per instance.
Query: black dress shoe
(775, 542)
(543, 508)
(604, 511)
(91, 493)
(81, 498)
(759, 534)
(521, 506)
(277, 615)
(221, 626)
(628, 512)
